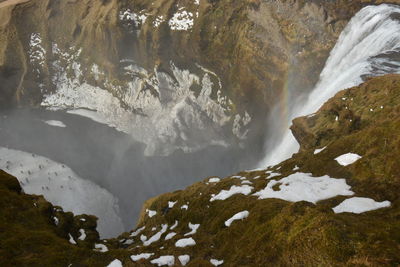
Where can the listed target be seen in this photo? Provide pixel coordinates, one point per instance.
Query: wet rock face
(191, 65)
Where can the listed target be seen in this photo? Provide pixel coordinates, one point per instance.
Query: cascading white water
(368, 46)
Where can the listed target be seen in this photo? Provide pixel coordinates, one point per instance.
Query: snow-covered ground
(225, 194)
(184, 259)
(141, 256)
(347, 159)
(304, 187)
(164, 260)
(359, 205)
(61, 186)
(185, 242)
(238, 216)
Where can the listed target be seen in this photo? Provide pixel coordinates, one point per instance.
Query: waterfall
(368, 46)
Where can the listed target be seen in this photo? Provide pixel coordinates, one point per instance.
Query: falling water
(368, 46)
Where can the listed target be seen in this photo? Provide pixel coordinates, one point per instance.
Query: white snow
(214, 180)
(71, 240)
(129, 16)
(128, 242)
(225, 194)
(82, 234)
(304, 187)
(181, 21)
(100, 248)
(184, 207)
(142, 256)
(184, 259)
(347, 159)
(238, 216)
(359, 205)
(174, 226)
(185, 242)
(157, 236)
(170, 236)
(61, 186)
(55, 123)
(272, 175)
(143, 238)
(171, 204)
(151, 213)
(319, 150)
(193, 228)
(216, 262)
(164, 260)
(115, 263)
(138, 231)
(56, 221)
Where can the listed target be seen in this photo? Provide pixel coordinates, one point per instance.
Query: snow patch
(181, 21)
(185, 242)
(100, 248)
(317, 151)
(216, 262)
(151, 213)
(238, 216)
(71, 240)
(193, 228)
(347, 159)
(304, 187)
(164, 260)
(138, 231)
(174, 226)
(171, 204)
(170, 236)
(82, 234)
(225, 194)
(115, 263)
(214, 180)
(142, 256)
(184, 259)
(157, 236)
(359, 205)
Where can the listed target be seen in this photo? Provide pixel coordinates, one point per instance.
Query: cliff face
(170, 68)
(335, 202)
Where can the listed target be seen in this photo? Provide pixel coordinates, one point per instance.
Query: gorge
(106, 106)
